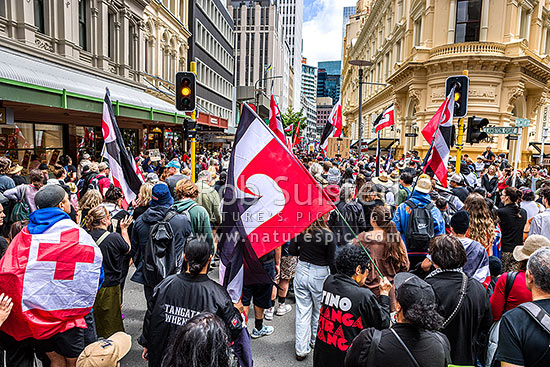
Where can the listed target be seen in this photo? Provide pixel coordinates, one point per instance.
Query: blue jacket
(401, 216)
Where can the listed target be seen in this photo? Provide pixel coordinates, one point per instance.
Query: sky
(322, 29)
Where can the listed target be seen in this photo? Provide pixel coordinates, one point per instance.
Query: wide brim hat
(15, 169)
(532, 244)
(383, 180)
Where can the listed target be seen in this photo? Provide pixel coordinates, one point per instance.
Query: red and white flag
(290, 128)
(432, 132)
(52, 278)
(275, 120)
(264, 202)
(385, 119)
(296, 134)
(125, 174)
(333, 128)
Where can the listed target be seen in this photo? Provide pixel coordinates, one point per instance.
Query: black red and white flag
(296, 138)
(333, 128)
(263, 204)
(125, 174)
(437, 133)
(289, 129)
(385, 119)
(275, 120)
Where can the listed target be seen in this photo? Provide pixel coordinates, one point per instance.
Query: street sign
(512, 137)
(506, 130)
(545, 111)
(411, 135)
(523, 122)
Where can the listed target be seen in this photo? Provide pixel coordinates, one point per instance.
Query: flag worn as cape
(125, 174)
(270, 198)
(52, 271)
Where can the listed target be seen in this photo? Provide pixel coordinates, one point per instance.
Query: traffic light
(474, 133)
(189, 129)
(461, 83)
(186, 92)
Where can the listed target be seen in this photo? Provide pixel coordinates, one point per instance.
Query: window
(110, 35)
(547, 46)
(83, 24)
(131, 46)
(468, 20)
(400, 9)
(524, 23)
(39, 16)
(418, 32)
(398, 51)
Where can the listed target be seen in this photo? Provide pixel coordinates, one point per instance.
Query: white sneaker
(283, 309)
(268, 314)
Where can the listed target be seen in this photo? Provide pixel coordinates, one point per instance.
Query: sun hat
(423, 185)
(532, 244)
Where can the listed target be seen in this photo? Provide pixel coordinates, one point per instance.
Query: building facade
(348, 11)
(212, 47)
(329, 79)
(56, 59)
(415, 45)
(260, 48)
(324, 108)
(309, 81)
(292, 12)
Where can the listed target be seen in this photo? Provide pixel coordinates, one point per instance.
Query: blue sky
(322, 30)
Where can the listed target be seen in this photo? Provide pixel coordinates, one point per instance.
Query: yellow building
(415, 45)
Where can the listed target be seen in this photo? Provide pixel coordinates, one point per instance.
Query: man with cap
(420, 199)
(174, 175)
(158, 211)
(414, 336)
(457, 187)
(103, 181)
(6, 181)
(106, 352)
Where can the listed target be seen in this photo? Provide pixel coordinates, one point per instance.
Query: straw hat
(383, 180)
(15, 169)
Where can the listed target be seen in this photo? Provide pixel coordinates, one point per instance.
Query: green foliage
(292, 117)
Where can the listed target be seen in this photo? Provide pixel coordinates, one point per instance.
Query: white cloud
(322, 35)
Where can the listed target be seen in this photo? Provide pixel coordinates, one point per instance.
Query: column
(102, 42)
(452, 22)
(483, 33)
(124, 39)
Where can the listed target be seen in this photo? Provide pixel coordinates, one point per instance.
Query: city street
(277, 348)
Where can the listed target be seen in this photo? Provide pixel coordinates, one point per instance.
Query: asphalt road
(274, 350)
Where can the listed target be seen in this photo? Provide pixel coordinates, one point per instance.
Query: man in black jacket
(141, 233)
(462, 301)
(457, 187)
(180, 297)
(352, 211)
(347, 307)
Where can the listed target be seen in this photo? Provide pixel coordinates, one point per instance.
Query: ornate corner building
(415, 45)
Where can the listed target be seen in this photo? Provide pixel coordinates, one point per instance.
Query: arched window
(468, 20)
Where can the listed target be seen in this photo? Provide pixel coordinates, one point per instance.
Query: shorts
(260, 292)
(288, 267)
(68, 344)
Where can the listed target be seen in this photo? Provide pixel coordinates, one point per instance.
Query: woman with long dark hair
(315, 248)
(386, 248)
(512, 222)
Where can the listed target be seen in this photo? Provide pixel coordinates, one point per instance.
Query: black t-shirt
(522, 341)
(427, 349)
(489, 154)
(511, 226)
(113, 248)
(316, 247)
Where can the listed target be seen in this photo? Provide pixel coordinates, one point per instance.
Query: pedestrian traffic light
(189, 129)
(474, 133)
(185, 91)
(461, 83)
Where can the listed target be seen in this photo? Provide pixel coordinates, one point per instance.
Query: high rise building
(211, 47)
(260, 49)
(308, 98)
(324, 108)
(292, 13)
(348, 11)
(329, 79)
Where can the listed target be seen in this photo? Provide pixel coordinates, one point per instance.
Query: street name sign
(523, 122)
(506, 130)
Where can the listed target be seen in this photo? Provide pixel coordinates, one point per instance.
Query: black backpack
(160, 258)
(420, 227)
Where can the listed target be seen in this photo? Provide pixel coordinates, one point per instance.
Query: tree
(292, 117)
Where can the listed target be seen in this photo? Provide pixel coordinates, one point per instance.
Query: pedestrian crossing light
(185, 91)
(461, 84)
(474, 133)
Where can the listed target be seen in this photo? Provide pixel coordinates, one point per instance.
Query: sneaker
(268, 314)
(283, 309)
(266, 330)
(300, 358)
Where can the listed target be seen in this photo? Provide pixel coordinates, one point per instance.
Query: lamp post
(264, 90)
(361, 64)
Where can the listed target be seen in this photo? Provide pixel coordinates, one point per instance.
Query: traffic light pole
(459, 144)
(193, 67)
(517, 158)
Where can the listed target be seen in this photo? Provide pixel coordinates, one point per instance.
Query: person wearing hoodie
(181, 226)
(421, 198)
(209, 198)
(186, 192)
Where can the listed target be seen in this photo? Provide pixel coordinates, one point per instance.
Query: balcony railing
(469, 48)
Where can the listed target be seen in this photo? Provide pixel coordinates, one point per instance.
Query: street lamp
(264, 91)
(361, 64)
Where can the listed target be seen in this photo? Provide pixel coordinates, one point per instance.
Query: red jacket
(518, 294)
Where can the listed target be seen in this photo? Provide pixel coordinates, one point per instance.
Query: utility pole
(460, 143)
(360, 112)
(193, 67)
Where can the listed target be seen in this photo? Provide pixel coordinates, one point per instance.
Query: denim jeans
(308, 290)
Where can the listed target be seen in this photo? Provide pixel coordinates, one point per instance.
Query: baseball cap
(174, 164)
(456, 178)
(410, 290)
(105, 352)
(531, 244)
(423, 185)
(49, 196)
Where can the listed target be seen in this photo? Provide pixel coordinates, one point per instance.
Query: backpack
(420, 227)
(160, 258)
(83, 185)
(21, 209)
(94, 182)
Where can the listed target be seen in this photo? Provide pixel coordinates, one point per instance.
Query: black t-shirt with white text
(522, 341)
(113, 248)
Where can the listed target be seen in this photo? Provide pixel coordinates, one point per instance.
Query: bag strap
(171, 214)
(373, 348)
(430, 206)
(414, 361)
(411, 204)
(460, 301)
(510, 279)
(537, 313)
(103, 236)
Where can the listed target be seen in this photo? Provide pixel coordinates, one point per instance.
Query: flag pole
(378, 153)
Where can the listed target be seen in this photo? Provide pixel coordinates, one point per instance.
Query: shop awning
(385, 143)
(31, 80)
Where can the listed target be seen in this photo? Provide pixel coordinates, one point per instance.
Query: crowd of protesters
(404, 272)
